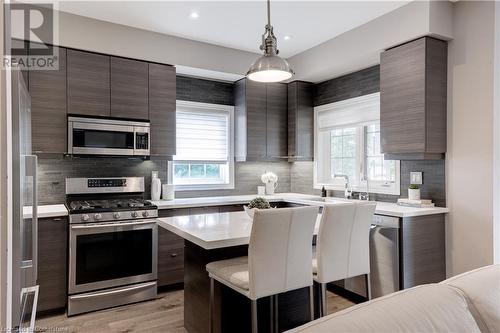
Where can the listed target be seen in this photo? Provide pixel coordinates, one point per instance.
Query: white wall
(469, 158)
(99, 36)
(496, 145)
(360, 47)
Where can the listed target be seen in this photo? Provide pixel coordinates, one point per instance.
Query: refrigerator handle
(32, 162)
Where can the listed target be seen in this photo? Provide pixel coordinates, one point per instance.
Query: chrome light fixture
(270, 67)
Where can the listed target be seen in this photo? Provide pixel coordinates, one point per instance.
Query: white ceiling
(239, 24)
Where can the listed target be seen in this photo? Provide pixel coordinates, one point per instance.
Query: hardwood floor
(165, 315)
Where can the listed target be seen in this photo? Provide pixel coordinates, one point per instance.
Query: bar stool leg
(311, 301)
(271, 313)
(254, 316)
(276, 317)
(324, 311)
(368, 287)
(211, 307)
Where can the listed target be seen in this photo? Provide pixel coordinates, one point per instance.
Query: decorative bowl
(250, 211)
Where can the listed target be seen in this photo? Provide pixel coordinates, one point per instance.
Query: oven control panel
(104, 185)
(103, 182)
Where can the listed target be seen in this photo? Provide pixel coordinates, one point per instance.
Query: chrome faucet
(347, 190)
(365, 195)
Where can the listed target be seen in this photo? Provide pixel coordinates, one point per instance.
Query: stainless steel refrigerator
(24, 229)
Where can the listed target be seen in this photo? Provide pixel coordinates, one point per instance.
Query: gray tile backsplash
(247, 178)
(54, 170)
(293, 177)
(205, 91)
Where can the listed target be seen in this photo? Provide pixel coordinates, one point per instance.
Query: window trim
(377, 188)
(228, 109)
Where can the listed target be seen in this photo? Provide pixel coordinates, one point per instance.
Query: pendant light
(270, 67)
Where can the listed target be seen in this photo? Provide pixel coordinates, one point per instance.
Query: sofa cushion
(482, 288)
(427, 308)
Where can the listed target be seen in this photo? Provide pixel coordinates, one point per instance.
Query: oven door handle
(96, 226)
(114, 291)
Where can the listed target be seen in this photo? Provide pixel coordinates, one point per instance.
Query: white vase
(414, 194)
(155, 187)
(270, 187)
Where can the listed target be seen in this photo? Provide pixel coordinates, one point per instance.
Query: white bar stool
(342, 245)
(279, 259)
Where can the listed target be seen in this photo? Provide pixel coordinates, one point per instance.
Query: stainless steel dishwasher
(384, 259)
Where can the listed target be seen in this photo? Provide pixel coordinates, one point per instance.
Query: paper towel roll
(168, 192)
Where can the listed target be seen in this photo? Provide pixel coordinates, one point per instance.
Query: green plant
(413, 187)
(259, 203)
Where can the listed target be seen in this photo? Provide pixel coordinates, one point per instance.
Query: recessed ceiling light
(194, 15)
(287, 37)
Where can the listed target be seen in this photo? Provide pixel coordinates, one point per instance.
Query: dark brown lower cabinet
(170, 251)
(52, 263)
(170, 258)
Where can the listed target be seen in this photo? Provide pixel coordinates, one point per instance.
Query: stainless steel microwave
(102, 136)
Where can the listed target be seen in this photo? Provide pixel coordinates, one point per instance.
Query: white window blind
(202, 135)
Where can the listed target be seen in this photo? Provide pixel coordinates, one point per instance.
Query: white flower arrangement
(269, 177)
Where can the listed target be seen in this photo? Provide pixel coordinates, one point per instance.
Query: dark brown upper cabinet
(129, 88)
(277, 115)
(88, 83)
(48, 107)
(300, 121)
(162, 106)
(413, 100)
(260, 121)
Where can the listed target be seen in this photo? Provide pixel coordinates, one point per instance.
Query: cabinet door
(170, 258)
(88, 83)
(277, 126)
(162, 95)
(230, 208)
(52, 263)
(300, 121)
(402, 98)
(129, 88)
(48, 107)
(256, 119)
(204, 210)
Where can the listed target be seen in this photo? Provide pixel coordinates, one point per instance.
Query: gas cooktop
(111, 205)
(115, 199)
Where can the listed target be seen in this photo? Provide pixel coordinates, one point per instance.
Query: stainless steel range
(112, 243)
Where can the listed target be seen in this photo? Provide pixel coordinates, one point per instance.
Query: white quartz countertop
(46, 211)
(383, 208)
(212, 231)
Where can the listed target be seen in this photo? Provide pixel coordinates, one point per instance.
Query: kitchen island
(419, 259)
(219, 236)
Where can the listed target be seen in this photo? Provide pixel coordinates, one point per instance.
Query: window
(205, 158)
(347, 143)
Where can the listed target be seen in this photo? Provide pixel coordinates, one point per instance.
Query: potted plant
(414, 192)
(257, 203)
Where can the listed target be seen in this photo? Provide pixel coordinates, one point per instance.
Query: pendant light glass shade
(270, 67)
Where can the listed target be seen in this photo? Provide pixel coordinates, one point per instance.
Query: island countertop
(213, 231)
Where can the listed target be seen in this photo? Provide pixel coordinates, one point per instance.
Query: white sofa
(469, 302)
